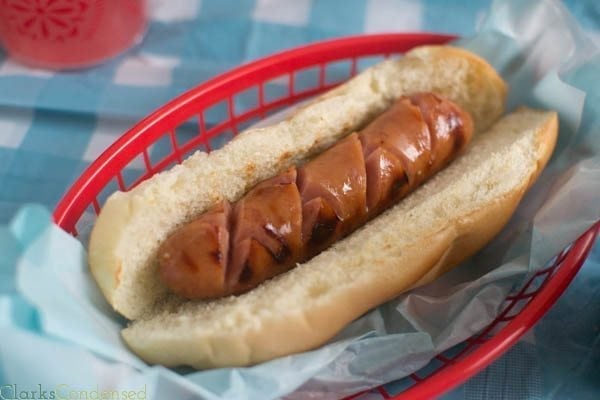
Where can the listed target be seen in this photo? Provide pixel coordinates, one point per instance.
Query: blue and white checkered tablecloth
(52, 125)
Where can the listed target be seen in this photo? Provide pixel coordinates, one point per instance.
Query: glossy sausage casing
(293, 216)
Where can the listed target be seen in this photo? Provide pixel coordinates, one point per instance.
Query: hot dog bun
(131, 226)
(442, 223)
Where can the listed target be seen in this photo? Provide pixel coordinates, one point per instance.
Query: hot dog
(295, 215)
(250, 252)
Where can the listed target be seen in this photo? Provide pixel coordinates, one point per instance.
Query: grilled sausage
(293, 216)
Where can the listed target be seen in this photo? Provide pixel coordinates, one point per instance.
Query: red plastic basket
(82, 202)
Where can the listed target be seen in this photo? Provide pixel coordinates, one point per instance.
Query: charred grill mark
(323, 230)
(399, 184)
(246, 274)
(282, 254)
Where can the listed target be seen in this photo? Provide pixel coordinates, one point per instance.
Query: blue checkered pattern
(53, 124)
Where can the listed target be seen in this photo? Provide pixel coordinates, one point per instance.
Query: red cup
(65, 34)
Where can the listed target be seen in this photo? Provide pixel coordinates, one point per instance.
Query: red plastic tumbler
(63, 34)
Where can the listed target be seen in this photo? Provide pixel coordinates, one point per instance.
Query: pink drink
(61, 34)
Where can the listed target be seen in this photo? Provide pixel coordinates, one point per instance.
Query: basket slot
(536, 281)
(139, 180)
(502, 318)
(338, 72)
(197, 143)
(248, 121)
(161, 149)
(492, 327)
(167, 162)
(134, 172)
(547, 270)
(306, 79)
(444, 359)
(432, 366)
(453, 352)
(277, 89)
(321, 75)
(366, 62)
(245, 101)
(186, 154)
(353, 66)
(520, 300)
(217, 130)
(220, 138)
(111, 187)
(471, 344)
(561, 256)
(142, 164)
(209, 139)
(479, 339)
(261, 99)
(291, 88)
(384, 392)
(534, 284)
(217, 113)
(395, 388)
(527, 295)
(187, 131)
(507, 318)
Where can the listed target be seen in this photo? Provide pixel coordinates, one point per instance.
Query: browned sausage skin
(293, 216)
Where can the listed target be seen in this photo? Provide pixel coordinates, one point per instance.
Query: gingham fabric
(52, 125)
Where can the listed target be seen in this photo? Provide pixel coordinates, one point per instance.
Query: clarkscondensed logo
(63, 391)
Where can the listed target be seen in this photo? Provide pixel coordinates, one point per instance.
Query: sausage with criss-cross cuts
(293, 216)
